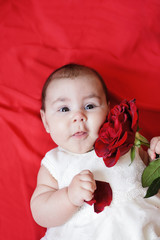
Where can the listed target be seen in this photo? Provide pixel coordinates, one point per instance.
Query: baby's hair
(71, 70)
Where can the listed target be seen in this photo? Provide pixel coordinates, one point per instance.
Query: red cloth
(120, 39)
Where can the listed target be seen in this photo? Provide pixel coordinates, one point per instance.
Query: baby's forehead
(77, 89)
(89, 80)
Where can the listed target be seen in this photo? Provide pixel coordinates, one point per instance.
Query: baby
(74, 107)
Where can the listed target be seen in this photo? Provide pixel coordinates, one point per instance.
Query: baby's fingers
(87, 195)
(151, 154)
(154, 147)
(87, 180)
(154, 142)
(157, 148)
(89, 186)
(86, 175)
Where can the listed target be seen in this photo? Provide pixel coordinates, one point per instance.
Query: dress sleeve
(50, 163)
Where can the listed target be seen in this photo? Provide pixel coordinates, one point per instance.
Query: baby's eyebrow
(93, 95)
(60, 99)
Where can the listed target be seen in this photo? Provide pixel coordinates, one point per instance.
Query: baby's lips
(79, 133)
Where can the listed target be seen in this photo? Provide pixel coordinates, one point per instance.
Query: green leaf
(141, 138)
(132, 154)
(150, 173)
(153, 188)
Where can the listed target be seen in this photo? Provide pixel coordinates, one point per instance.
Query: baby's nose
(79, 117)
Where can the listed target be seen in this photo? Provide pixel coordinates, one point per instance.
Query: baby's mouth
(80, 134)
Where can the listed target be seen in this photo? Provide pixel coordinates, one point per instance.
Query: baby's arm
(51, 206)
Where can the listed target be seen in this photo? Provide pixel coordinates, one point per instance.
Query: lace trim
(119, 196)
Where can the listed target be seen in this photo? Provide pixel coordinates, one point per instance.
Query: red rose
(117, 136)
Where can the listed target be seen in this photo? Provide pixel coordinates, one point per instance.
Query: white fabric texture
(129, 217)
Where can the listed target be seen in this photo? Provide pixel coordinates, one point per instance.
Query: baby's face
(75, 110)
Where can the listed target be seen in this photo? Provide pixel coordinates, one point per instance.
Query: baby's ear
(44, 120)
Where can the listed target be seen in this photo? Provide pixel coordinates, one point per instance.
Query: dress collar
(90, 153)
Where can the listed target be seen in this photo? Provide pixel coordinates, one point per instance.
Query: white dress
(129, 217)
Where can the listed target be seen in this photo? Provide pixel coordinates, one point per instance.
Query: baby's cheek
(99, 124)
(57, 134)
(96, 131)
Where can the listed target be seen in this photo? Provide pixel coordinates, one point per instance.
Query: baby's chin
(79, 150)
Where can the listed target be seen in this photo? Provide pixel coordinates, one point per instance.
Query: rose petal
(121, 141)
(91, 202)
(112, 160)
(102, 196)
(100, 148)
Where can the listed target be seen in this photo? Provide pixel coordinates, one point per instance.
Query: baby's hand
(81, 188)
(154, 147)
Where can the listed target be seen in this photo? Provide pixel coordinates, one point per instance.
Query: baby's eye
(89, 106)
(64, 109)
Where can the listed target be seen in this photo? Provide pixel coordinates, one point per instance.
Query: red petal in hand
(102, 196)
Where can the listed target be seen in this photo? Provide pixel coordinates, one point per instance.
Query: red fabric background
(120, 39)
